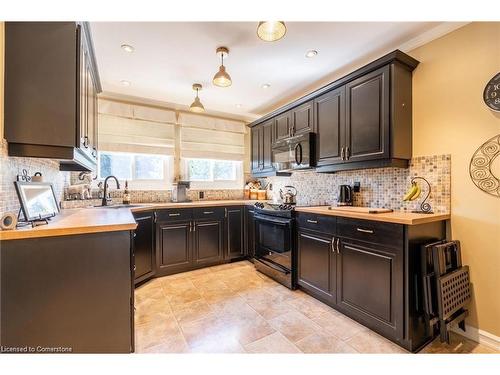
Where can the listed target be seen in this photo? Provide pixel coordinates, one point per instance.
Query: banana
(411, 192)
(417, 193)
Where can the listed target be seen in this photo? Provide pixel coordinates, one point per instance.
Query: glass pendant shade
(271, 31)
(222, 78)
(196, 106)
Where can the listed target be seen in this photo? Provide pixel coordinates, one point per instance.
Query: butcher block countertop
(398, 217)
(101, 219)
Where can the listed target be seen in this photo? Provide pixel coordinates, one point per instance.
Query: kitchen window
(141, 170)
(213, 174)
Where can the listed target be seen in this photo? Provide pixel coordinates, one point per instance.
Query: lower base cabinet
(249, 233)
(144, 249)
(191, 238)
(370, 286)
(317, 264)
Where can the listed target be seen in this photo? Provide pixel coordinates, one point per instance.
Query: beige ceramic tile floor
(234, 309)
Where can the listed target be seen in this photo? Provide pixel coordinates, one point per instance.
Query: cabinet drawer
(201, 213)
(388, 234)
(174, 214)
(320, 223)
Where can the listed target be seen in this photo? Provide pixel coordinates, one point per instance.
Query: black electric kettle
(345, 195)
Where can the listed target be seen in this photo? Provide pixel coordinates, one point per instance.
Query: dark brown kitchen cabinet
(317, 264)
(282, 127)
(362, 120)
(144, 246)
(262, 139)
(302, 119)
(51, 105)
(235, 247)
(367, 117)
(173, 253)
(329, 115)
(249, 232)
(370, 285)
(208, 242)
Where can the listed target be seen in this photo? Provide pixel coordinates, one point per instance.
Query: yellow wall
(449, 117)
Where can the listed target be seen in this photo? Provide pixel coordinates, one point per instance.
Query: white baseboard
(479, 336)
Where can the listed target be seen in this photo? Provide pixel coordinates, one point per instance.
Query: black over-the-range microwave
(295, 153)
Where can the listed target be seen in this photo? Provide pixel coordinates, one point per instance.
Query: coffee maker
(345, 195)
(179, 192)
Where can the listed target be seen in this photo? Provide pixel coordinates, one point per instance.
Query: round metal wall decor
(491, 93)
(480, 167)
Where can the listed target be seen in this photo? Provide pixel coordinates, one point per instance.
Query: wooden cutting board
(365, 210)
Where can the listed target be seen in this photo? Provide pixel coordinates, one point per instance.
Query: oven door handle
(272, 220)
(274, 266)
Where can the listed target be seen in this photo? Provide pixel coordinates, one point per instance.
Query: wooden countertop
(98, 219)
(398, 217)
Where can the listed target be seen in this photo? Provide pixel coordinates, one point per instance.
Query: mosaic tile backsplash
(383, 187)
(10, 167)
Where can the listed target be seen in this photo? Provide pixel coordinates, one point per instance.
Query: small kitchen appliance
(295, 153)
(179, 192)
(288, 194)
(345, 195)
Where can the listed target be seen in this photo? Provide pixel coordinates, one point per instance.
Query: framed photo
(38, 200)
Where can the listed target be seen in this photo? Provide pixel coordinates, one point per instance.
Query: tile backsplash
(10, 167)
(382, 187)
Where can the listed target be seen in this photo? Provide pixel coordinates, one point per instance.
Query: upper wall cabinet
(51, 87)
(261, 149)
(362, 120)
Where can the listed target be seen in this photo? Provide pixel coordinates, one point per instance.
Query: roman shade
(211, 138)
(137, 129)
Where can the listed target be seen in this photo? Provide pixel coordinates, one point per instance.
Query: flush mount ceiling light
(222, 78)
(238, 106)
(311, 53)
(124, 82)
(265, 86)
(196, 106)
(127, 48)
(271, 31)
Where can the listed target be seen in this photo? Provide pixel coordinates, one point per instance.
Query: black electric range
(275, 253)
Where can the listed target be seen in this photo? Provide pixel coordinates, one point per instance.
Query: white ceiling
(170, 56)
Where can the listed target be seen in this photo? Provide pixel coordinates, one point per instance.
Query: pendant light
(222, 78)
(270, 31)
(196, 106)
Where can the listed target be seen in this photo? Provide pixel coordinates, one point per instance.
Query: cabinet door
(256, 134)
(367, 116)
(267, 143)
(317, 263)
(329, 116)
(250, 233)
(144, 249)
(282, 126)
(82, 126)
(208, 242)
(370, 286)
(302, 119)
(173, 247)
(234, 226)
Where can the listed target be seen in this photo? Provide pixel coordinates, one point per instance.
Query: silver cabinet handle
(177, 214)
(225, 212)
(332, 245)
(347, 153)
(194, 227)
(338, 245)
(342, 153)
(155, 217)
(364, 230)
(208, 212)
(312, 221)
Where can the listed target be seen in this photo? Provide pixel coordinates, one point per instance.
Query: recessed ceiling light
(311, 53)
(238, 106)
(265, 86)
(124, 82)
(127, 48)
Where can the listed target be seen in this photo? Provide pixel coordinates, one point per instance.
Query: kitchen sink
(121, 206)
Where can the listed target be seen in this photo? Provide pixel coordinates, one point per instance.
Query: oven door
(274, 241)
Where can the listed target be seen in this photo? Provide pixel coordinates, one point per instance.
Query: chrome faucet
(106, 199)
